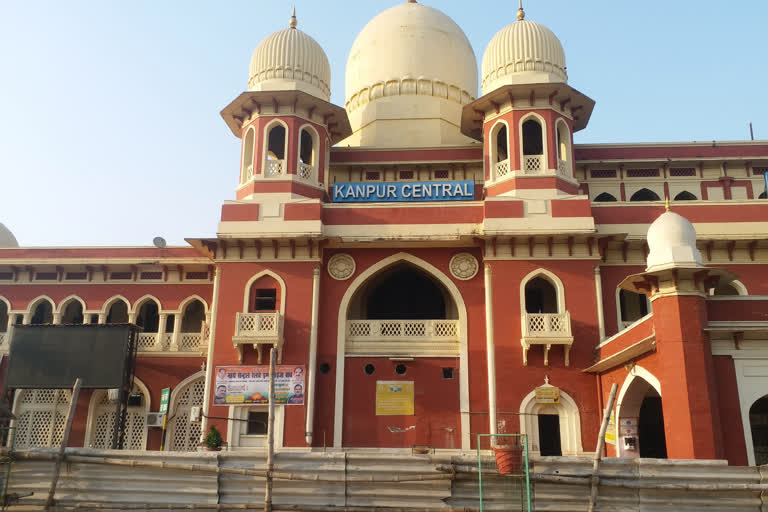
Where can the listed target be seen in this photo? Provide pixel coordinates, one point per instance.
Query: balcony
(534, 164)
(258, 329)
(405, 338)
(502, 168)
(306, 172)
(274, 168)
(546, 329)
(169, 342)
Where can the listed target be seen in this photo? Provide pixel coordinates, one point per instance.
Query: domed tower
(527, 113)
(409, 73)
(7, 240)
(285, 120)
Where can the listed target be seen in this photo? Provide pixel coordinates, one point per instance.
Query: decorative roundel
(464, 266)
(341, 266)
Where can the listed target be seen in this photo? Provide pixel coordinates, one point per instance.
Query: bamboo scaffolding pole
(270, 434)
(63, 444)
(595, 479)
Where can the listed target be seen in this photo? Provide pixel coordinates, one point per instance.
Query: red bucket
(509, 459)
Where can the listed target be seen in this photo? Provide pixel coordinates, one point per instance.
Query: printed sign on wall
(404, 191)
(610, 433)
(394, 398)
(547, 395)
(249, 385)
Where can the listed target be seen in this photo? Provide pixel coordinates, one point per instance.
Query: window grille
(759, 170)
(41, 415)
(76, 276)
(121, 275)
(196, 275)
(372, 176)
(602, 173)
(46, 276)
(184, 435)
(442, 175)
(677, 172)
(103, 424)
(406, 175)
(642, 173)
(6, 276)
(151, 275)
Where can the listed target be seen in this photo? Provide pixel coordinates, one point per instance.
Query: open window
(632, 307)
(685, 196)
(41, 313)
(499, 150)
(192, 322)
(605, 197)
(72, 312)
(540, 296)
(563, 148)
(117, 313)
(276, 135)
(533, 146)
(248, 146)
(309, 142)
(645, 194)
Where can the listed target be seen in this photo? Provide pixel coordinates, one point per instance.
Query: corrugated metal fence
(362, 480)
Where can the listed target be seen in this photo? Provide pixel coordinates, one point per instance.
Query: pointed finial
(294, 22)
(521, 12)
(546, 379)
(666, 205)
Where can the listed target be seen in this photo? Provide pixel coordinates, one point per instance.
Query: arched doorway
(552, 429)
(402, 336)
(102, 414)
(40, 417)
(758, 422)
(641, 417)
(183, 435)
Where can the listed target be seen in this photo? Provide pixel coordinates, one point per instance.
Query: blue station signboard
(404, 192)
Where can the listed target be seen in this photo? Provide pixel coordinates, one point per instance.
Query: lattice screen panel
(103, 423)
(183, 435)
(41, 414)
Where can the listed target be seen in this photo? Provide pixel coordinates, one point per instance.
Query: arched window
(117, 313)
(192, 322)
(148, 318)
(42, 313)
(685, 196)
(758, 420)
(533, 146)
(248, 145)
(605, 197)
(101, 420)
(183, 435)
(563, 149)
(72, 312)
(540, 296)
(264, 295)
(276, 142)
(645, 195)
(733, 288)
(40, 417)
(764, 195)
(632, 307)
(309, 143)
(499, 150)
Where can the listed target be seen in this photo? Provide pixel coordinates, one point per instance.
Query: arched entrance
(552, 429)
(758, 422)
(401, 351)
(183, 435)
(640, 417)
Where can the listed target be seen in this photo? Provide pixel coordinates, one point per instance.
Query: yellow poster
(610, 432)
(394, 398)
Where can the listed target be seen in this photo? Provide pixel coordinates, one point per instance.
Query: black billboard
(53, 356)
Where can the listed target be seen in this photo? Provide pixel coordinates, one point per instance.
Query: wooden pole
(599, 451)
(63, 445)
(270, 433)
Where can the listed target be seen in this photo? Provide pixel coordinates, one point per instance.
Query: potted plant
(509, 454)
(213, 440)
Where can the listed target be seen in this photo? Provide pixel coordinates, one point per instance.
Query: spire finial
(294, 22)
(521, 12)
(666, 204)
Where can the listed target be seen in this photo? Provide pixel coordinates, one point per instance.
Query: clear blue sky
(109, 111)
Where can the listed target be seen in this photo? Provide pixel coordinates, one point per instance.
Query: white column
(160, 332)
(176, 333)
(209, 360)
(56, 318)
(490, 349)
(8, 332)
(599, 296)
(311, 366)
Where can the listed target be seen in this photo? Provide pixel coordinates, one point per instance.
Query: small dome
(7, 240)
(523, 53)
(672, 242)
(410, 44)
(291, 60)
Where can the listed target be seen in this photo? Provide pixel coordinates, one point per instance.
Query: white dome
(523, 53)
(410, 62)
(7, 240)
(672, 242)
(291, 60)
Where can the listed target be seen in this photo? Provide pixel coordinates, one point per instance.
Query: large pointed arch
(188, 300)
(140, 302)
(261, 274)
(358, 282)
(638, 373)
(135, 437)
(182, 435)
(65, 302)
(33, 305)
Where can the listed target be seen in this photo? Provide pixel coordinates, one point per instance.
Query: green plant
(213, 439)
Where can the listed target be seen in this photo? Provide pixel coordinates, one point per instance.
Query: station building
(449, 244)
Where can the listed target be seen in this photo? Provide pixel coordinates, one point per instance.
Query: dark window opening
(448, 373)
(653, 443)
(194, 315)
(94, 319)
(404, 293)
(257, 423)
(276, 143)
(502, 148)
(149, 316)
(725, 290)
(118, 313)
(265, 299)
(605, 197)
(764, 195)
(645, 195)
(3, 316)
(540, 296)
(533, 143)
(634, 306)
(685, 196)
(43, 314)
(549, 435)
(369, 369)
(134, 399)
(306, 152)
(401, 369)
(170, 323)
(73, 313)
(758, 421)
(325, 369)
